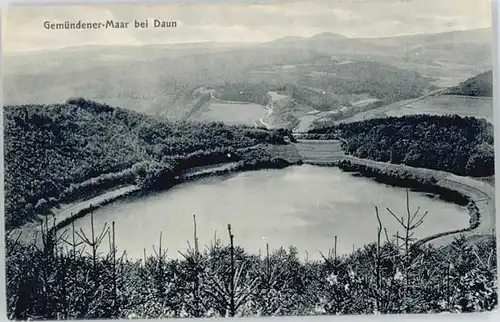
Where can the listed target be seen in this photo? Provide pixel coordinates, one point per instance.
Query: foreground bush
(391, 276)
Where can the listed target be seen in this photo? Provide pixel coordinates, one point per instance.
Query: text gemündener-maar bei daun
(110, 24)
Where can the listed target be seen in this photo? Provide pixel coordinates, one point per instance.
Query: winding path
(275, 97)
(269, 109)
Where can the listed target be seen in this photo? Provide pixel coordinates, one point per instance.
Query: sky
(253, 21)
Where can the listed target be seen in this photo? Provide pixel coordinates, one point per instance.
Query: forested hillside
(462, 145)
(244, 92)
(480, 85)
(51, 151)
(380, 80)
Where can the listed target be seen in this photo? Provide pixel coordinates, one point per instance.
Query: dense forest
(56, 152)
(462, 145)
(316, 98)
(480, 85)
(328, 86)
(380, 80)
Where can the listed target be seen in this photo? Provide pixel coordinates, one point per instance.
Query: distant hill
(480, 85)
(161, 79)
(461, 46)
(165, 84)
(329, 35)
(480, 35)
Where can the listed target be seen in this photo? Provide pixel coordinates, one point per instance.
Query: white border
(491, 316)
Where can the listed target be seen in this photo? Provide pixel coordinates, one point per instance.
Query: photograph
(235, 159)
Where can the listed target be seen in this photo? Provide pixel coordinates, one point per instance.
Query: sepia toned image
(248, 159)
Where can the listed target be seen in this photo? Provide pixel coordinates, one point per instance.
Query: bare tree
(231, 292)
(94, 242)
(409, 225)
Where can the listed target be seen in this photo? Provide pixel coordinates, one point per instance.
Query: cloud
(233, 22)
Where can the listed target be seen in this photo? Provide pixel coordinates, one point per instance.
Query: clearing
(481, 107)
(431, 103)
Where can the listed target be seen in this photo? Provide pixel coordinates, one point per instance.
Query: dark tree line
(462, 145)
(53, 151)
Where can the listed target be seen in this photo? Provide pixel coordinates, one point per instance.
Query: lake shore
(480, 193)
(64, 214)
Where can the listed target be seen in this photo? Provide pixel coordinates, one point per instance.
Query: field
(433, 104)
(288, 152)
(319, 150)
(232, 113)
(449, 104)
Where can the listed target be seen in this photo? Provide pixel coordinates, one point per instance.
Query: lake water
(305, 206)
(235, 113)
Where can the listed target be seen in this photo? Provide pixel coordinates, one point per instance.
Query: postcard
(249, 159)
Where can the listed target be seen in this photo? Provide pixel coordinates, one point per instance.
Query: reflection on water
(304, 206)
